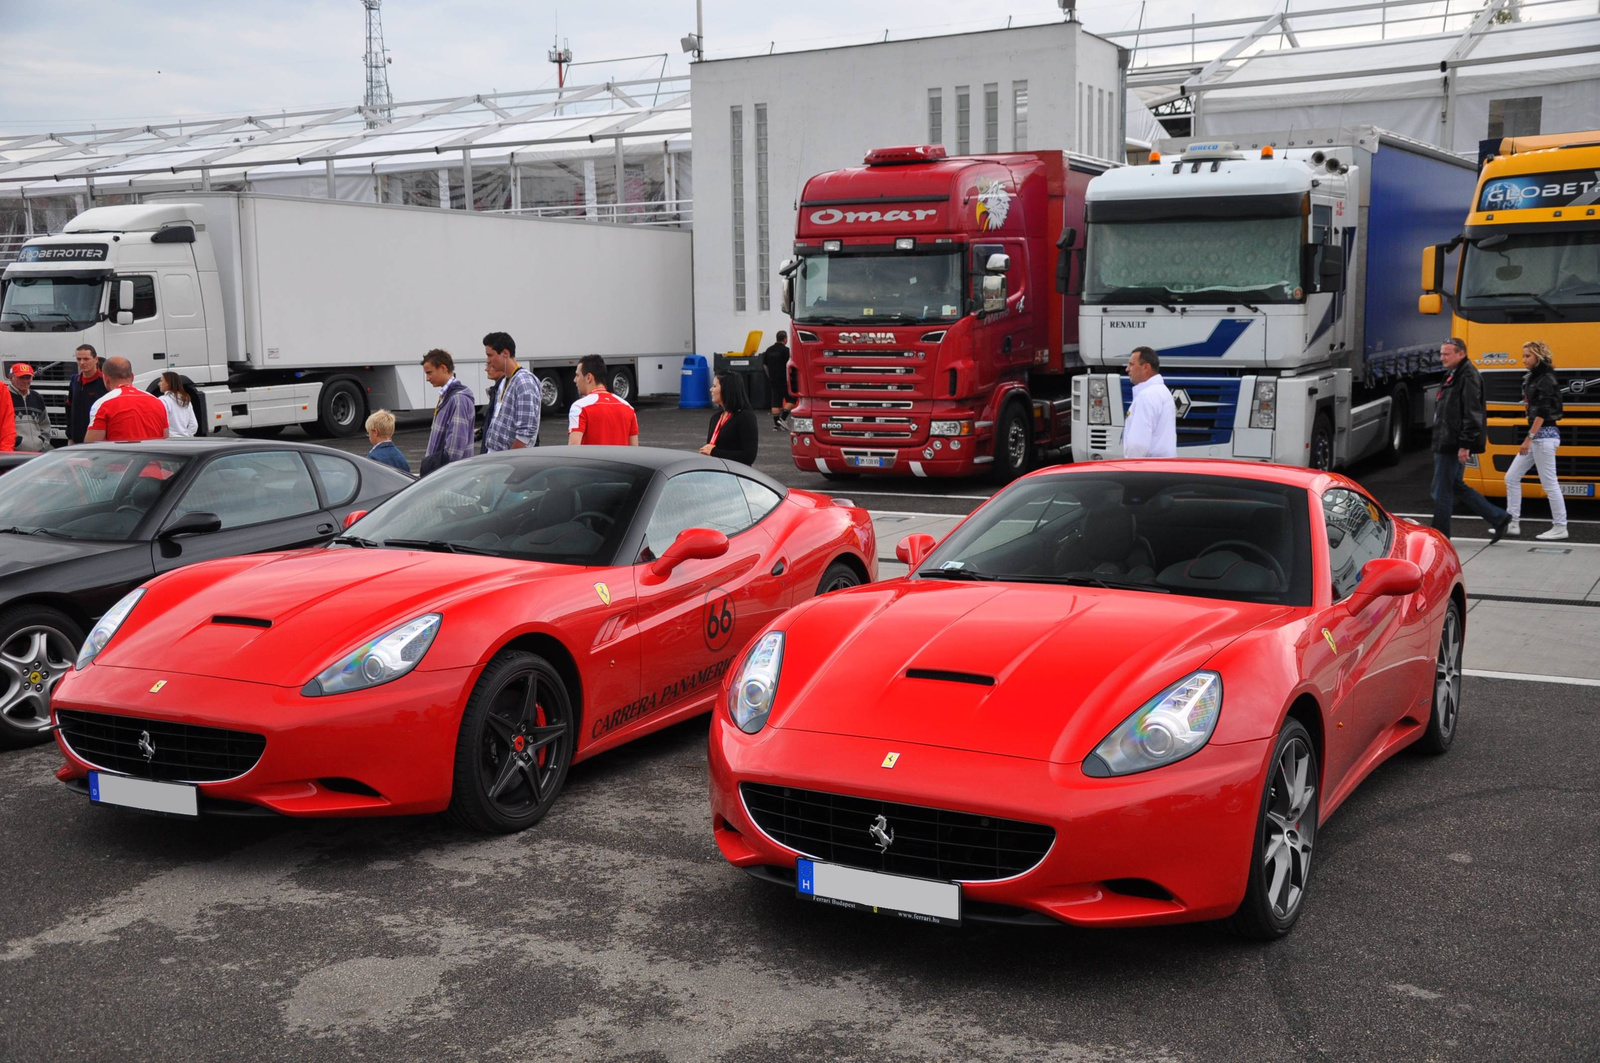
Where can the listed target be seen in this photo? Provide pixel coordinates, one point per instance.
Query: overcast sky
(73, 64)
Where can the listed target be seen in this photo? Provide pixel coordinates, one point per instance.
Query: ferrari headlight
(102, 632)
(800, 425)
(385, 658)
(756, 686)
(1170, 726)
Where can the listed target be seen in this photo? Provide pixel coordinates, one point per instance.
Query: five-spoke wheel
(1446, 686)
(1280, 863)
(515, 745)
(37, 648)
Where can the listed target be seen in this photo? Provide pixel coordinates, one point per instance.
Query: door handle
(780, 567)
(326, 529)
(1005, 347)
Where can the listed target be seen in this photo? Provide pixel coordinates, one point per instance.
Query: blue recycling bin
(694, 386)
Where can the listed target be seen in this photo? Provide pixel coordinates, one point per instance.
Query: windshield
(1205, 260)
(1155, 533)
(85, 494)
(1560, 268)
(851, 289)
(573, 514)
(50, 303)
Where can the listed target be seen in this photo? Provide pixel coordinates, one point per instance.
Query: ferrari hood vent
(241, 621)
(950, 677)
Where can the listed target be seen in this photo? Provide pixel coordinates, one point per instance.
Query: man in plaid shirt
(514, 421)
(451, 438)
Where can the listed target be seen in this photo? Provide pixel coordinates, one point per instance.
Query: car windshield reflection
(86, 493)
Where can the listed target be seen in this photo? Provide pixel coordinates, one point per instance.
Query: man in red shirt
(599, 418)
(125, 413)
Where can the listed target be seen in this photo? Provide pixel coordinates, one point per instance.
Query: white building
(764, 124)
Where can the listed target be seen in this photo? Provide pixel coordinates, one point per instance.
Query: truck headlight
(102, 632)
(800, 425)
(1264, 406)
(385, 658)
(755, 688)
(1099, 401)
(950, 428)
(1170, 726)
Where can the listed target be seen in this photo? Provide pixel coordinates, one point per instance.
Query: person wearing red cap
(27, 407)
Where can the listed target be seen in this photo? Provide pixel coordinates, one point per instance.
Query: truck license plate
(869, 461)
(1578, 490)
(924, 900)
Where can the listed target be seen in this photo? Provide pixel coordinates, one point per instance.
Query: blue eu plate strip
(805, 879)
(94, 786)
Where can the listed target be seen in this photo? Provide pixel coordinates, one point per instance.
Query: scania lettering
(1269, 275)
(1530, 270)
(929, 334)
(312, 312)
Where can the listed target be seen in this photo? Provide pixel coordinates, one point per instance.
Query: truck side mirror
(998, 263)
(994, 293)
(125, 302)
(1069, 238)
(1330, 274)
(1429, 303)
(1432, 269)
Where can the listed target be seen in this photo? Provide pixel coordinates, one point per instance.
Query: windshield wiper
(443, 546)
(957, 574)
(1521, 295)
(1093, 581)
(353, 540)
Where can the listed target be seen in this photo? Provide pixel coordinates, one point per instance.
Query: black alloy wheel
(38, 646)
(515, 745)
(1446, 711)
(1013, 443)
(1286, 829)
(1321, 453)
(838, 576)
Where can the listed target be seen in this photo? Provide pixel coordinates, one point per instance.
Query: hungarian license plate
(921, 899)
(868, 461)
(175, 798)
(1578, 490)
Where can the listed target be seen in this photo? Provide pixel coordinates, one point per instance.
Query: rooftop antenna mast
(379, 102)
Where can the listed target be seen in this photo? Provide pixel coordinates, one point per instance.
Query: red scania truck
(930, 336)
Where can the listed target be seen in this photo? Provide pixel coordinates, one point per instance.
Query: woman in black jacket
(732, 433)
(1541, 394)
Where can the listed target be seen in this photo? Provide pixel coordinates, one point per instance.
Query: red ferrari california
(1118, 694)
(459, 647)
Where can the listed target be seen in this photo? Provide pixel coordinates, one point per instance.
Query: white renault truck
(1274, 276)
(310, 312)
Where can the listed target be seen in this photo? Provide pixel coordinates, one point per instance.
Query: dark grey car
(81, 526)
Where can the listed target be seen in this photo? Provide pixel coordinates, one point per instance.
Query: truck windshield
(1201, 260)
(850, 289)
(1555, 269)
(57, 304)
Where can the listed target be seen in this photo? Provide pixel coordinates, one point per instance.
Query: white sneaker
(1514, 528)
(1558, 531)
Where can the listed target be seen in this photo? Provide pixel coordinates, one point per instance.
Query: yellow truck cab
(1529, 269)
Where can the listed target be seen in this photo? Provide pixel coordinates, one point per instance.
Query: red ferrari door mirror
(698, 544)
(1386, 577)
(355, 515)
(913, 548)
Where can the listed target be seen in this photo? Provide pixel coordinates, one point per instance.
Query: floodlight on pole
(696, 41)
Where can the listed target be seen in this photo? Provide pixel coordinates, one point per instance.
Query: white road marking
(1523, 677)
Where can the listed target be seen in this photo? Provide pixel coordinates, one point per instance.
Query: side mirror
(1432, 303)
(692, 544)
(994, 293)
(913, 548)
(998, 263)
(194, 523)
(1385, 577)
(788, 295)
(1069, 238)
(124, 317)
(1432, 269)
(355, 515)
(1330, 275)
(125, 295)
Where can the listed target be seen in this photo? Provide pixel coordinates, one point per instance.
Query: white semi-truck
(310, 312)
(1274, 274)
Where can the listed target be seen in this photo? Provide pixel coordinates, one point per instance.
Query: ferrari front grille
(159, 749)
(927, 842)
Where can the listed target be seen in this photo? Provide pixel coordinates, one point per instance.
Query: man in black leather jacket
(1459, 418)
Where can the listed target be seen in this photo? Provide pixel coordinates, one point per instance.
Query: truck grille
(874, 354)
(865, 370)
(1576, 435)
(928, 842)
(870, 404)
(858, 426)
(182, 752)
(864, 385)
(1212, 402)
(1579, 387)
(1575, 466)
(54, 373)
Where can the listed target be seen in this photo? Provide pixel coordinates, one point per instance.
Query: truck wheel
(1399, 426)
(1013, 444)
(1321, 455)
(553, 391)
(342, 409)
(621, 383)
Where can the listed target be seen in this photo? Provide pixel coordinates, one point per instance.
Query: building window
(991, 118)
(736, 157)
(763, 288)
(935, 116)
(1019, 116)
(963, 120)
(1090, 145)
(1517, 117)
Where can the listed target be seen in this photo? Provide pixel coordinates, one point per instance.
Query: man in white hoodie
(1151, 429)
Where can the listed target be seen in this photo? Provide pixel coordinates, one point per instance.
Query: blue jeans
(1448, 489)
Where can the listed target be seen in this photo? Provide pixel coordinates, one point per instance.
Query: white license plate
(1578, 490)
(871, 461)
(176, 798)
(850, 887)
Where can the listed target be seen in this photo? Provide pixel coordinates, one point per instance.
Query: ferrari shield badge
(604, 592)
(157, 688)
(888, 761)
(1328, 638)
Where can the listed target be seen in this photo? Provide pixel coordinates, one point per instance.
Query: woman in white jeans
(1541, 394)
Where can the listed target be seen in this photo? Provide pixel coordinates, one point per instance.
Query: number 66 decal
(717, 618)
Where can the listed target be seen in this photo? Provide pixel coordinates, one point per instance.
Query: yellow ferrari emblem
(1328, 637)
(604, 592)
(889, 760)
(157, 688)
